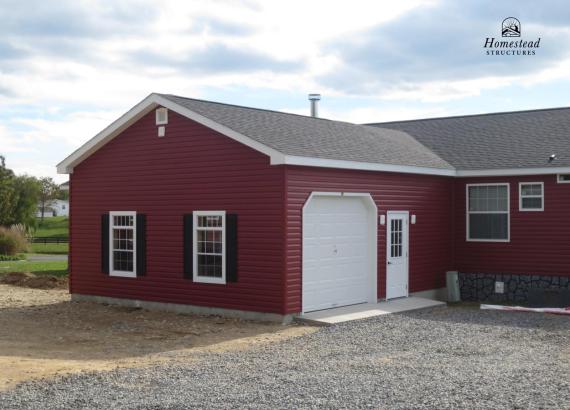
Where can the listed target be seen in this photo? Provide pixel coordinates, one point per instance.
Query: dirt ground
(43, 333)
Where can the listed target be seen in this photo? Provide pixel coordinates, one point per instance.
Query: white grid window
(122, 241)
(531, 196)
(210, 246)
(563, 178)
(396, 237)
(488, 212)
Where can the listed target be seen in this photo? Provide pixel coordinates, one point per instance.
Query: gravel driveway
(439, 359)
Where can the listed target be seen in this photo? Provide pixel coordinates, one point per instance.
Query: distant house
(57, 207)
(64, 186)
(229, 209)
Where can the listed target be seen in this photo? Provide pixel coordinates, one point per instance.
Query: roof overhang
(276, 157)
(365, 166)
(511, 172)
(141, 109)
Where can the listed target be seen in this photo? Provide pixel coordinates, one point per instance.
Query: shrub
(9, 258)
(12, 241)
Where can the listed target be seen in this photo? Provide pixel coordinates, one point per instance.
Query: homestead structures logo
(511, 27)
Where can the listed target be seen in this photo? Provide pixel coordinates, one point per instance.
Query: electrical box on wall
(382, 220)
(499, 287)
(413, 219)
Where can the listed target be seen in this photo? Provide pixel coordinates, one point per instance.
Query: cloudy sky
(70, 67)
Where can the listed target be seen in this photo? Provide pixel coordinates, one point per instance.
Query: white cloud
(82, 87)
(11, 143)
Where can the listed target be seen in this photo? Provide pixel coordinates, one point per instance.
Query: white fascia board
(274, 155)
(143, 108)
(364, 166)
(131, 116)
(512, 172)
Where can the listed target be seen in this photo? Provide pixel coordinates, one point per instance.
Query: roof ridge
(257, 109)
(451, 117)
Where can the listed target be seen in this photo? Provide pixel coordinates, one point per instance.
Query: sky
(68, 68)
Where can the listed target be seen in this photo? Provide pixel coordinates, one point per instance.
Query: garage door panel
(335, 252)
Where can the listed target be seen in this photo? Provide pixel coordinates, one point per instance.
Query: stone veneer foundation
(481, 286)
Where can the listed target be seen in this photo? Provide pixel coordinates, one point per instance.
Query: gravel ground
(438, 359)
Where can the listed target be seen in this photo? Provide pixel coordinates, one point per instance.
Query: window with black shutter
(123, 240)
(210, 247)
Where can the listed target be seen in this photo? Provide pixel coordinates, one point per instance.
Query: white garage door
(336, 264)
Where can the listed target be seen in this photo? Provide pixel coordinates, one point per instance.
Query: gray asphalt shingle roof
(298, 135)
(523, 139)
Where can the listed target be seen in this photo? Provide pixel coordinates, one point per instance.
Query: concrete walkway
(366, 310)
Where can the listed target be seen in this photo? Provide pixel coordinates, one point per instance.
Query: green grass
(55, 268)
(56, 227)
(17, 257)
(51, 248)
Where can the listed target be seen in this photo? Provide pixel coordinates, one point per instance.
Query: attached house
(210, 207)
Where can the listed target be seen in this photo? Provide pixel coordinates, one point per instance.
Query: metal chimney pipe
(314, 99)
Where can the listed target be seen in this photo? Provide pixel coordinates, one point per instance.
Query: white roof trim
(276, 157)
(511, 171)
(365, 166)
(131, 116)
(141, 109)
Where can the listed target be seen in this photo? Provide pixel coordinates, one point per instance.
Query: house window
(210, 246)
(488, 212)
(122, 241)
(563, 178)
(531, 196)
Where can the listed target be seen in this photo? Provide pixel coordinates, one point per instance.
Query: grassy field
(56, 227)
(51, 248)
(56, 268)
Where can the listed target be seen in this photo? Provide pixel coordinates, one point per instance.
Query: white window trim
(157, 116)
(467, 233)
(561, 181)
(119, 273)
(521, 209)
(206, 279)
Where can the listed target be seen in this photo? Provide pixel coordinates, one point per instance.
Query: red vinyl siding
(428, 197)
(191, 168)
(539, 242)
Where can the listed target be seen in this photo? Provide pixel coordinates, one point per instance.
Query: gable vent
(161, 116)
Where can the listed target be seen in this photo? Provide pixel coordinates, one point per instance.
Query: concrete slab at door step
(366, 310)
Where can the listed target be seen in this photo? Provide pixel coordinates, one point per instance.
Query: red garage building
(227, 209)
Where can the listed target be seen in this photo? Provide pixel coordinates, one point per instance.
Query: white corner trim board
(276, 158)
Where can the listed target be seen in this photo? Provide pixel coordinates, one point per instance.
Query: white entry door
(397, 255)
(337, 232)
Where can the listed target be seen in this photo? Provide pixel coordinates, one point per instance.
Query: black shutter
(105, 243)
(141, 244)
(231, 248)
(187, 244)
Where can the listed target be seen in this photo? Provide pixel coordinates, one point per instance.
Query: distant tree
(48, 193)
(8, 195)
(63, 194)
(28, 194)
